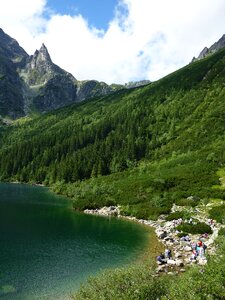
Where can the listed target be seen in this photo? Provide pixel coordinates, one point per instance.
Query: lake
(47, 249)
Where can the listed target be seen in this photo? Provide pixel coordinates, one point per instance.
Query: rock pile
(104, 211)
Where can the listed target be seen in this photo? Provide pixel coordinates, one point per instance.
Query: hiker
(201, 252)
(204, 248)
(205, 235)
(193, 246)
(194, 255)
(185, 238)
(168, 253)
(200, 243)
(161, 258)
(200, 249)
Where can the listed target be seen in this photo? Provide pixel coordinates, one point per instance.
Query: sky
(115, 41)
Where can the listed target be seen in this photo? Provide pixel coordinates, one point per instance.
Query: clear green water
(47, 250)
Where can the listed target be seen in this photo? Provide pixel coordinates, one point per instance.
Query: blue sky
(115, 41)
(98, 13)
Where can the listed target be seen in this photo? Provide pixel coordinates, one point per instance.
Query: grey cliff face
(59, 91)
(134, 84)
(203, 53)
(10, 49)
(41, 60)
(218, 45)
(12, 56)
(92, 88)
(214, 48)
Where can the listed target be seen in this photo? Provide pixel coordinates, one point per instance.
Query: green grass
(132, 283)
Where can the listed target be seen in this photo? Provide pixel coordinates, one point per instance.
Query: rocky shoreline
(181, 249)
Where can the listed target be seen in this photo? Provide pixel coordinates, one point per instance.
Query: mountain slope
(160, 143)
(10, 48)
(12, 56)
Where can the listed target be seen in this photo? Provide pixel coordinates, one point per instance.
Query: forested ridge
(157, 144)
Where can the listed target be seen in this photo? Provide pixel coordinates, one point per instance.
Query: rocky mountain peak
(44, 53)
(41, 59)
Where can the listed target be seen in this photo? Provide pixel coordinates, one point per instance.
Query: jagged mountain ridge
(48, 86)
(214, 48)
(35, 83)
(10, 48)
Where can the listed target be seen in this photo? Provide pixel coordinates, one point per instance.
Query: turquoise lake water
(47, 249)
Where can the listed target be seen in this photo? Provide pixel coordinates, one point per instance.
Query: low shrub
(195, 228)
(181, 234)
(144, 211)
(186, 202)
(175, 216)
(218, 213)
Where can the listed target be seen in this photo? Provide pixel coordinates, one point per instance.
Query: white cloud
(147, 39)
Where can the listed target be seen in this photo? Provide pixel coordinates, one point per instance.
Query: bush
(218, 213)
(195, 228)
(175, 216)
(144, 211)
(186, 202)
(181, 234)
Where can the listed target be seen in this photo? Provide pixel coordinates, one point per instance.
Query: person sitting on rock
(185, 238)
(204, 248)
(168, 253)
(201, 252)
(194, 255)
(200, 249)
(193, 246)
(161, 258)
(200, 243)
(205, 235)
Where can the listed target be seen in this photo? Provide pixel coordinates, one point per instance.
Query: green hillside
(143, 148)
